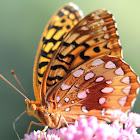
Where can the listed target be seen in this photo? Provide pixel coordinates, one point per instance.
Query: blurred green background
(21, 25)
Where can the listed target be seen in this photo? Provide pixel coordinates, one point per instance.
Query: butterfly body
(43, 113)
(79, 71)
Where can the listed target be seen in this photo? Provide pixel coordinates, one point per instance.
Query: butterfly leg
(64, 120)
(59, 122)
(14, 123)
(45, 128)
(35, 123)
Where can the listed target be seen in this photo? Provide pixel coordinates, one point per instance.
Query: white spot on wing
(59, 105)
(85, 23)
(87, 91)
(102, 100)
(137, 91)
(72, 102)
(96, 17)
(99, 79)
(102, 21)
(117, 33)
(57, 99)
(89, 75)
(77, 85)
(84, 109)
(122, 101)
(74, 5)
(126, 80)
(107, 90)
(78, 73)
(133, 102)
(104, 28)
(97, 62)
(81, 13)
(66, 99)
(93, 14)
(67, 109)
(113, 19)
(82, 95)
(126, 90)
(119, 71)
(119, 43)
(110, 65)
(109, 82)
(106, 36)
(65, 86)
(84, 28)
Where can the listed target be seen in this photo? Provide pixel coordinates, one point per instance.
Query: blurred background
(21, 27)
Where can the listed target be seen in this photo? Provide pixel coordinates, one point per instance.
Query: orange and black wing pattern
(94, 88)
(61, 22)
(95, 35)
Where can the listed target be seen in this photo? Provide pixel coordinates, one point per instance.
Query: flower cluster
(123, 128)
(39, 135)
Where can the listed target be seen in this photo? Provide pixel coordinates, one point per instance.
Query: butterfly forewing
(93, 88)
(93, 36)
(62, 21)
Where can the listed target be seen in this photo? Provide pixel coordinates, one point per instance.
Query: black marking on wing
(40, 75)
(66, 44)
(60, 57)
(71, 11)
(83, 56)
(68, 26)
(85, 45)
(54, 78)
(96, 49)
(60, 14)
(96, 40)
(106, 47)
(44, 54)
(58, 66)
(53, 40)
(42, 64)
(39, 82)
(50, 85)
(75, 44)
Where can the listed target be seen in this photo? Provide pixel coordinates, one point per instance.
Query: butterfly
(79, 69)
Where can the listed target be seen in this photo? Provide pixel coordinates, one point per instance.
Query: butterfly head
(30, 107)
(51, 119)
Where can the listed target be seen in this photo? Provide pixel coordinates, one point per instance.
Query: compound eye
(32, 107)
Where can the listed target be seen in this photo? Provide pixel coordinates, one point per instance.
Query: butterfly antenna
(12, 71)
(14, 123)
(14, 87)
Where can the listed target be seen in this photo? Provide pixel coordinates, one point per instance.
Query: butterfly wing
(95, 87)
(93, 36)
(62, 21)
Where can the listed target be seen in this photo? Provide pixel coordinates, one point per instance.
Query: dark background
(21, 25)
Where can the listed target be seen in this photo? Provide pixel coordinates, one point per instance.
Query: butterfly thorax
(50, 119)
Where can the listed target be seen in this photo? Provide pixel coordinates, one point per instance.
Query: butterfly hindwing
(62, 21)
(93, 36)
(93, 88)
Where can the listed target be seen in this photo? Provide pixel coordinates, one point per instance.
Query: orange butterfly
(79, 71)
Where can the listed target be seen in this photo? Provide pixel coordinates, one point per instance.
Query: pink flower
(123, 128)
(134, 118)
(39, 135)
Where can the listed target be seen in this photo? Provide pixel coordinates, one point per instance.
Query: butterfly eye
(32, 107)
